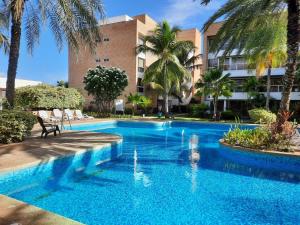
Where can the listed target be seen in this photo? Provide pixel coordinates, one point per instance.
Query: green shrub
(198, 110)
(48, 97)
(262, 116)
(258, 138)
(228, 115)
(15, 125)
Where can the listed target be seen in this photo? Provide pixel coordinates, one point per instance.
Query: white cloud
(178, 12)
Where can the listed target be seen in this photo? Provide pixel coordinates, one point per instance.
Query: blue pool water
(163, 173)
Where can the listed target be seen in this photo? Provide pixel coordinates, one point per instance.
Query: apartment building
(237, 66)
(120, 36)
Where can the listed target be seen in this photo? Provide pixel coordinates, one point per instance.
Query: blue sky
(47, 64)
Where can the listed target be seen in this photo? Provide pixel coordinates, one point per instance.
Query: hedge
(15, 125)
(262, 116)
(48, 97)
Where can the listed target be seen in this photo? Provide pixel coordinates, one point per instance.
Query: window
(238, 63)
(106, 60)
(225, 63)
(212, 63)
(98, 40)
(98, 60)
(139, 85)
(141, 65)
(106, 39)
(209, 42)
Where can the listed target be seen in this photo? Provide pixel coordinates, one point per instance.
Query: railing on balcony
(141, 69)
(262, 89)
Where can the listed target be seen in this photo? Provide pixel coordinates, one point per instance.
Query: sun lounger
(80, 116)
(45, 116)
(69, 114)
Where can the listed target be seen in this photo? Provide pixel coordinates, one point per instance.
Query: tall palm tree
(189, 60)
(4, 43)
(267, 51)
(166, 73)
(216, 84)
(73, 20)
(241, 14)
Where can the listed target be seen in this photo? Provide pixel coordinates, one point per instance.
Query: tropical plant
(166, 74)
(15, 125)
(145, 103)
(47, 97)
(72, 20)
(187, 58)
(4, 43)
(134, 100)
(139, 100)
(106, 85)
(262, 116)
(198, 110)
(258, 138)
(215, 84)
(267, 51)
(252, 85)
(242, 16)
(62, 83)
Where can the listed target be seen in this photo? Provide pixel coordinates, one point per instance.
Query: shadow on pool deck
(36, 150)
(16, 212)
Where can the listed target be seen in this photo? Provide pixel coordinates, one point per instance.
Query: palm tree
(267, 51)
(134, 99)
(251, 85)
(73, 20)
(241, 15)
(216, 84)
(4, 43)
(189, 60)
(166, 73)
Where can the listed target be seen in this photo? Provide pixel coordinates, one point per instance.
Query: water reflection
(138, 174)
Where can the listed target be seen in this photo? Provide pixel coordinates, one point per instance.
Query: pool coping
(264, 152)
(13, 211)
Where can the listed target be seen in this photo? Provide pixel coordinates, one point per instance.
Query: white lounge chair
(57, 114)
(69, 114)
(45, 116)
(80, 116)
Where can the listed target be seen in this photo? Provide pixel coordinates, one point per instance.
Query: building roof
(19, 83)
(115, 19)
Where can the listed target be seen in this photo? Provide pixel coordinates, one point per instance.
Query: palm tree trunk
(292, 51)
(166, 104)
(268, 87)
(215, 103)
(166, 94)
(14, 52)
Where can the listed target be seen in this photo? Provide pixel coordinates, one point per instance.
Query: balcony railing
(273, 88)
(235, 66)
(141, 69)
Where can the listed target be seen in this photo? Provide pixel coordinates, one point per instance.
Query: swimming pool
(163, 173)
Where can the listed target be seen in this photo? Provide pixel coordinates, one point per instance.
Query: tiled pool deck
(34, 151)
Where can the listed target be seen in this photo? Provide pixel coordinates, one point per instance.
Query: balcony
(275, 93)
